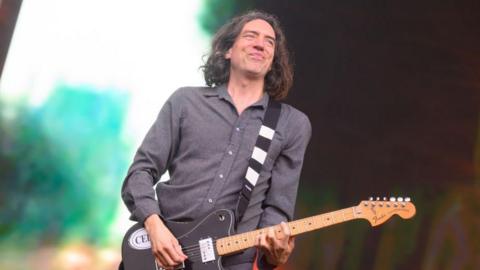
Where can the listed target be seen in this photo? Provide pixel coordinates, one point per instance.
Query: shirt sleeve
(279, 204)
(152, 160)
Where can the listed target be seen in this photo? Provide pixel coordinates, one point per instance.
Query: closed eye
(249, 35)
(271, 41)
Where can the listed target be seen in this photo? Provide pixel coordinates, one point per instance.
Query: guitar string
(193, 252)
(214, 242)
(195, 247)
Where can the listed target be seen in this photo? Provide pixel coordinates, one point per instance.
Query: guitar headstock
(379, 210)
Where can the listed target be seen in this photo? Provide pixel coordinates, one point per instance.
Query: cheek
(271, 59)
(271, 53)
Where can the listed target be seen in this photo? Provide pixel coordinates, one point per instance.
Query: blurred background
(392, 89)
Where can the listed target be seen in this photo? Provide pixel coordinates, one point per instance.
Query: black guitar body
(137, 253)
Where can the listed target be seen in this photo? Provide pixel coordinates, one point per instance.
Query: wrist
(152, 221)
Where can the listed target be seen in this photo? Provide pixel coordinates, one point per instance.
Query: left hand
(277, 244)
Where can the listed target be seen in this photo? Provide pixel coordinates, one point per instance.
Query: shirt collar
(222, 93)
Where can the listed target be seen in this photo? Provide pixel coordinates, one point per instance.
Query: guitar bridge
(206, 250)
(178, 267)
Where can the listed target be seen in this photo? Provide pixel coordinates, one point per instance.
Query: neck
(244, 92)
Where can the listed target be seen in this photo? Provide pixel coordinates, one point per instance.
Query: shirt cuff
(140, 214)
(262, 263)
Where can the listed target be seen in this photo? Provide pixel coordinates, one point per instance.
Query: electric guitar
(206, 240)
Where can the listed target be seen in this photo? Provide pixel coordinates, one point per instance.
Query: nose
(259, 44)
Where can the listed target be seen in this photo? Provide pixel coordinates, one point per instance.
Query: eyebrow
(257, 33)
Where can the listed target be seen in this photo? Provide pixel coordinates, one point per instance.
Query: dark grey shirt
(205, 146)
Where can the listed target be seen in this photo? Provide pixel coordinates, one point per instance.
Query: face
(253, 50)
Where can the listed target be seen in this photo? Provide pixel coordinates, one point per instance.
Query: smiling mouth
(257, 57)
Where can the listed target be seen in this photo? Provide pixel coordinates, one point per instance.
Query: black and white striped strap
(259, 154)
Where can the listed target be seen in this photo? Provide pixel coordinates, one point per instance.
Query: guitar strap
(259, 153)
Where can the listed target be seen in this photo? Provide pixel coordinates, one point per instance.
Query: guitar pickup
(206, 250)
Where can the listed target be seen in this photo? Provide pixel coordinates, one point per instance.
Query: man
(204, 137)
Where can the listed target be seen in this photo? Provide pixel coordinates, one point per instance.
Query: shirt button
(230, 152)
(220, 175)
(210, 200)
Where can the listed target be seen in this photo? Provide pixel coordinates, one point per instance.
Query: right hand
(165, 246)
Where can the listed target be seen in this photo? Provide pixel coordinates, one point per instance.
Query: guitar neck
(239, 242)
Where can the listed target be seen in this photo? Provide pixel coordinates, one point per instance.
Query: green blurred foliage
(61, 167)
(215, 13)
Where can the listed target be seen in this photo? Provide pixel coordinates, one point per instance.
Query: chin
(258, 71)
(257, 74)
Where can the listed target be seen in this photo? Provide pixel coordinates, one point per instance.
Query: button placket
(226, 164)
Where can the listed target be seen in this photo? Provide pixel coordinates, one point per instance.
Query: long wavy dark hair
(217, 69)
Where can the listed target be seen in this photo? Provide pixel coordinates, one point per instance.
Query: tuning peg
(385, 198)
(392, 199)
(399, 199)
(370, 199)
(378, 198)
(407, 199)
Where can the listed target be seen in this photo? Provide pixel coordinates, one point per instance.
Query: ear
(228, 54)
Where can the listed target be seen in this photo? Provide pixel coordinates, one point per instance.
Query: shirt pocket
(201, 138)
